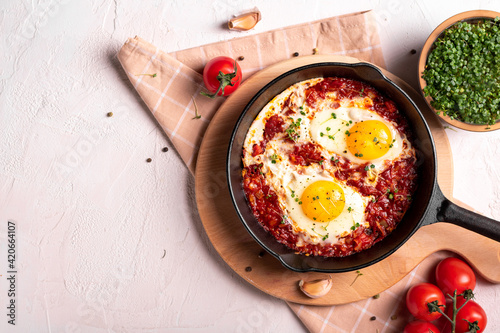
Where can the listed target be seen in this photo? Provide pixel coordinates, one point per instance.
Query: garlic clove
(245, 21)
(316, 288)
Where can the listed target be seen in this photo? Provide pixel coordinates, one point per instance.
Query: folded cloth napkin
(170, 85)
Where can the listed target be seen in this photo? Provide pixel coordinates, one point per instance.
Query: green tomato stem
(224, 81)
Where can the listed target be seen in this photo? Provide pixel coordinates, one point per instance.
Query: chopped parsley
(291, 131)
(274, 157)
(463, 72)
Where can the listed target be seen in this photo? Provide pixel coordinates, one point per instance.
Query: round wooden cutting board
(242, 253)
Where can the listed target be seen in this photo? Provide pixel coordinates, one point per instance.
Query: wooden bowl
(470, 16)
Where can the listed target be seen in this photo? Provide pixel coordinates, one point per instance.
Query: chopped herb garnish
(147, 74)
(274, 157)
(357, 276)
(463, 72)
(196, 113)
(292, 130)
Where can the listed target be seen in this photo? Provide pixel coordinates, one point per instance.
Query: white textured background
(94, 220)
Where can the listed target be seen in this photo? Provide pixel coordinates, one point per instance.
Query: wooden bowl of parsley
(459, 70)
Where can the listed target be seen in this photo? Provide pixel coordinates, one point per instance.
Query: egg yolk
(323, 201)
(369, 140)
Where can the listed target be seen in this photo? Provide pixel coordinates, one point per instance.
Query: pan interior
(422, 141)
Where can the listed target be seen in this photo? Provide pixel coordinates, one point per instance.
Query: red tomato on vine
(470, 318)
(454, 274)
(417, 298)
(222, 76)
(418, 326)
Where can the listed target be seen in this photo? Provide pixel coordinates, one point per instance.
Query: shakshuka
(329, 167)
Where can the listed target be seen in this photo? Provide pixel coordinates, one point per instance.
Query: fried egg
(360, 135)
(323, 208)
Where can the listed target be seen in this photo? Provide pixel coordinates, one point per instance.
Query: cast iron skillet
(429, 204)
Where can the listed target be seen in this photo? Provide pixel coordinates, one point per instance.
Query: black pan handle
(443, 210)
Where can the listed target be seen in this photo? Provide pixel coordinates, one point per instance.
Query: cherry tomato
(221, 75)
(417, 298)
(418, 326)
(471, 312)
(453, 273)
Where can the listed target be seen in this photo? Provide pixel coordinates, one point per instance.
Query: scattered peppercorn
(315, 50)
(376, 296)
(372, 318)
(110, 114)
(149, 160)
(165, 149)
(413, 51)
(241, 58)
(248, 269)
(261, 254)
(296, 54)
